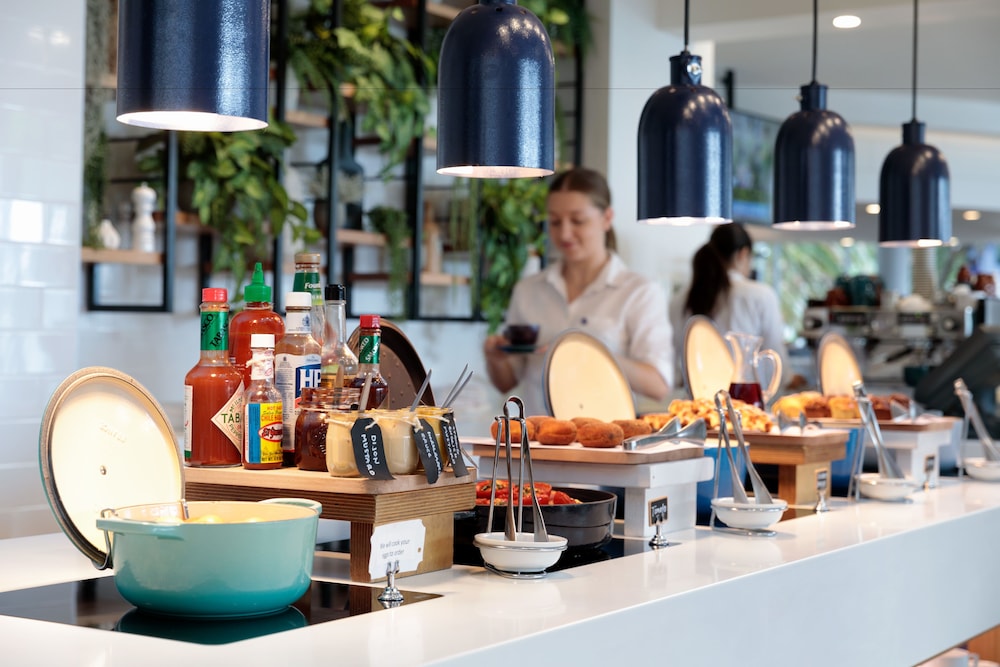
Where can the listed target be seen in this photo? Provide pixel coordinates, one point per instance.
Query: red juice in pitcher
(748, 392)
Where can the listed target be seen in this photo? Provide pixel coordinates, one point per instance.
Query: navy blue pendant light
(914, 189)
(193, 64)
(814, 162)
(496, 94)
(685, 149)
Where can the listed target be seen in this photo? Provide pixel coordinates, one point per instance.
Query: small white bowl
(749, 516)
(873, 485)
(982, 469)
(523, 555)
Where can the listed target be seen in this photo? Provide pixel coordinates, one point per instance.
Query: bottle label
(298, 322)
(228, 419)
(293, 373)
(214, 330)
(308, 281)
(188, 429)
(262, 365)
(369, 349)
(263, 428)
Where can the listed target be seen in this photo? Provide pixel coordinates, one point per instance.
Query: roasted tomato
(562, 498)
(483, 488)
(541, 488)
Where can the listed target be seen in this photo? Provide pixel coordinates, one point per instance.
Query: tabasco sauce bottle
(213, 392)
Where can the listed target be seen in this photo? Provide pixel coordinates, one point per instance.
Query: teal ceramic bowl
(228, 559)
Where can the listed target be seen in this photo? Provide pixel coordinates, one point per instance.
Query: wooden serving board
(779, 449)
(922, 424)
(577, 453)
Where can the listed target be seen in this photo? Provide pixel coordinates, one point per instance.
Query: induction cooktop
(96, 603)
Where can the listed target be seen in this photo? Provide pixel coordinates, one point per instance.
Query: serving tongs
(694, 433)
(761, 496)
(511, 529)
(887, 466)
(990, 450)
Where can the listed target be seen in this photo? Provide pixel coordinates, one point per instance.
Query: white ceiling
(767, 44)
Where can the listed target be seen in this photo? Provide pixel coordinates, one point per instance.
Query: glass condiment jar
(435, 416)
(317, 403)
(397, 439)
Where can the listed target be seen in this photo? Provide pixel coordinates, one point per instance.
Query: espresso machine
(894, 347)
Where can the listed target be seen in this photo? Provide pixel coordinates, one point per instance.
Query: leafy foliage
(384, 74)
(511, 215)
(393, 223)
(237, 191)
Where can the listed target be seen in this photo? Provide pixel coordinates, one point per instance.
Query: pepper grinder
(143, 227)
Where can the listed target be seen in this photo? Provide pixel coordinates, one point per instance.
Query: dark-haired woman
(587, 287)
(721, 289)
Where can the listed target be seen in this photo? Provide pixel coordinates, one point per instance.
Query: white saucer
(885, 488)
(983, 470)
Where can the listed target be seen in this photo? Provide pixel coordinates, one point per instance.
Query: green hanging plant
(237, 192)
(394, 224)
(384, 75)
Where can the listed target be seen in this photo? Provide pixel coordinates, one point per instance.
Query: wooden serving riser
(577, 453)
(364, 503)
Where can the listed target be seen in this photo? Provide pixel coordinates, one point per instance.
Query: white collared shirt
(623, 309)
(751, 307)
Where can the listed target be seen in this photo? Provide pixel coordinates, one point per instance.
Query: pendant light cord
(914, 102)
(687, 12)
(815, 36)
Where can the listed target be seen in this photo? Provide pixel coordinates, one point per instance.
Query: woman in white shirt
(589, 288)
(722, 290)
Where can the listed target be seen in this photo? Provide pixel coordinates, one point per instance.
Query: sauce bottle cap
(334, 293)
(214, 295)
(370, 321)
(298, 300)
(261, 340)
(257, 291)
(307, 258)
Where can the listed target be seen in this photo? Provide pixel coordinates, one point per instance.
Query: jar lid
(105, 443)
(370, 321)
(334, 292)
(298, 300)
(582, 379)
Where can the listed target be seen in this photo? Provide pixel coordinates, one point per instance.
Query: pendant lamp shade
(814, 167)
(193, 64)
(685, 151)
(914, 193)
(496, 94)
(914, 187)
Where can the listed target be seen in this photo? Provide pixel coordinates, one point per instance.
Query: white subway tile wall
(41, 135)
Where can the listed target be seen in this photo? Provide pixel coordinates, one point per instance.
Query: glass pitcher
(748, 362)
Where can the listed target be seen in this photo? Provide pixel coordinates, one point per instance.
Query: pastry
(536, 420)
(580, 421)
(634, 427)
(552, 431)
(599, 434)
(843, 407)
(515, 431)
(817, 406)
(657, 420)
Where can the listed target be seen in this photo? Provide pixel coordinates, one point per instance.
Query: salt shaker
(143, 227)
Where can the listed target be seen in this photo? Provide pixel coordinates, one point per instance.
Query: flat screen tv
(753, 166)
(977, 361)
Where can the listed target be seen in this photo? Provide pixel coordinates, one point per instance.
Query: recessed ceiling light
(847, 241)
(873, 209)
(971, 215)
(846, 21)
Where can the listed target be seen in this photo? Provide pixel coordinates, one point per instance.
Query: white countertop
(868, 583)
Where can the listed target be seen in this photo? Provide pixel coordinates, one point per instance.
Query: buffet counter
(867, 583)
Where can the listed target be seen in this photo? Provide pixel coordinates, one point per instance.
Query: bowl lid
(838, 365)
(582, 379)
(707, 360)
(104, 443)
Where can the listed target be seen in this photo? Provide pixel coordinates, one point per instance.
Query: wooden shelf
(426, 278)
(359, 237)
(105, 256)
(300, 118)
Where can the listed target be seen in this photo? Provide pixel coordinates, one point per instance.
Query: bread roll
(555, 432)
(599, 434)
(515, 431)
(580, 421)
(536, 420)
(633, 427)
